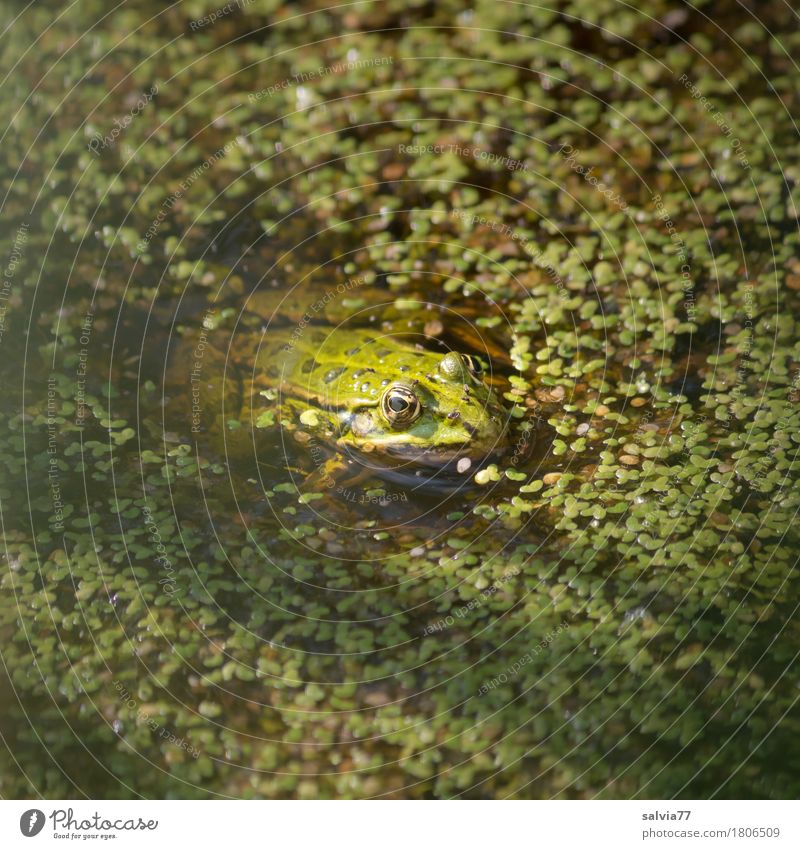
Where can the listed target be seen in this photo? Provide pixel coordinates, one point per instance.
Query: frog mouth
(439, 457)
(433, 471)
(410, 457)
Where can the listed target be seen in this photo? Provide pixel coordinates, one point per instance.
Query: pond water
(205, 592)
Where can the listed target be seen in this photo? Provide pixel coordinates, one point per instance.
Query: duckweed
(645, 339)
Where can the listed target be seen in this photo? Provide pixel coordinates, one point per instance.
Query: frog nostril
(451, 366)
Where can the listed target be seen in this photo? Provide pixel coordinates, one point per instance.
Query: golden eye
(400, 406)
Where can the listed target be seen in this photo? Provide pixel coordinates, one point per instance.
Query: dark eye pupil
(398, 404)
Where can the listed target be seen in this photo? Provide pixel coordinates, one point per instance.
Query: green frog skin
(364, 390)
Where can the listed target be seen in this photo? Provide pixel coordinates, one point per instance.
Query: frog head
(429, 408)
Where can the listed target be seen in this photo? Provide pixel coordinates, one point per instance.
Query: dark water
(608, 610)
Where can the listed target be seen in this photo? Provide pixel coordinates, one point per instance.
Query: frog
(375, 393)
(353, 398)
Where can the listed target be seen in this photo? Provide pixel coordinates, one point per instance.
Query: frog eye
(474, 366)
(399, 405)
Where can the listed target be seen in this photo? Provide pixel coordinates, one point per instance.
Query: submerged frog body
(381, 395)
(355, 403)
